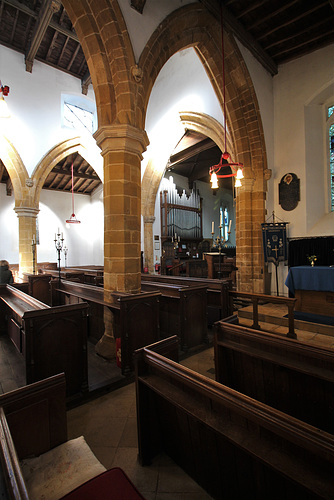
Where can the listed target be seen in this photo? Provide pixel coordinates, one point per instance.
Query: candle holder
(59, 240)
(65, 250)
(33, 248)
(176, 241)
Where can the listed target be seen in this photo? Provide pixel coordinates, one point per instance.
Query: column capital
(121, 137)
(247, 184)
(26, 211)
(148, 219)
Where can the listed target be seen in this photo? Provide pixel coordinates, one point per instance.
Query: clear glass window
(78, 118)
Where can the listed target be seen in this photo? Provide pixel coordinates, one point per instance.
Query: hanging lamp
(225, 160)
(72, 219)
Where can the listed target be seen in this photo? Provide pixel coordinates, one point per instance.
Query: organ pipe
(181, 215)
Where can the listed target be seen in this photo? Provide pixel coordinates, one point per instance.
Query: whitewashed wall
(84, 241)
(35, 103)
(9, 228)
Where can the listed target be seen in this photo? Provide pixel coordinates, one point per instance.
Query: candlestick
(213, 227)
(229, 227)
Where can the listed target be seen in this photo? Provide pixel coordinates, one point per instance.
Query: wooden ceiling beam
(239, 32)
(291, 20)
(48, 8)
(79, 175)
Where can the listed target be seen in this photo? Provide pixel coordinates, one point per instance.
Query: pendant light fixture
(72, 219)
(225, 160)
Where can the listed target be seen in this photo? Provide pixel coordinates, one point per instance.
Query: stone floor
(109, 426)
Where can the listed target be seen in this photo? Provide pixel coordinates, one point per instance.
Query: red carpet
(110, 485)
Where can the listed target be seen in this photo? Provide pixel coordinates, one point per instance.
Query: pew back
(232, 445)
(50, 339)
(182, 311)
(32, 421)
(219, 303)
(136, 316)
(287, 374)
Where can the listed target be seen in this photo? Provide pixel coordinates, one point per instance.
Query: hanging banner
(274, 242)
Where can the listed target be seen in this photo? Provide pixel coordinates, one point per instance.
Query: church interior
(167, 246)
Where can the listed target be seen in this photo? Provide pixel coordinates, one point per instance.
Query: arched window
(331, 152)
(224, 222)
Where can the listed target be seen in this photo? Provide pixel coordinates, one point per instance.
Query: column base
(106, 347)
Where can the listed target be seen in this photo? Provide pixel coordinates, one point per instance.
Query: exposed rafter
(48, 8)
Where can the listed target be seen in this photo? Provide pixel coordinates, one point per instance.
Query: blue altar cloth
(319, 278)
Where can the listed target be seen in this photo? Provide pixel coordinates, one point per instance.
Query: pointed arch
(193, 26)
(198, 122)
(16, 169)
(78, 144)
(103, 35)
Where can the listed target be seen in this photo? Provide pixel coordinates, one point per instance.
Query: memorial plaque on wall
(289, 191)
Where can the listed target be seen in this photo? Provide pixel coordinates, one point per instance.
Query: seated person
(6, 275)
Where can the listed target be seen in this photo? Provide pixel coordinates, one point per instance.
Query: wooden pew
(182, 311)
(65, 274)
(33, 424)
(232, 445)
(219, 303)
(50, 339)
(136, 316)
(287, 374)
(39, 286)
(32, 421)
(93, 275)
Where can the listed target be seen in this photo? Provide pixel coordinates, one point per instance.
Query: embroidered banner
(274, 242)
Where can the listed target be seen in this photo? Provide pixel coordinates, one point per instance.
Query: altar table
(313, 288)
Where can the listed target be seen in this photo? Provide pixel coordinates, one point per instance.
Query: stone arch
(193, 26)
(16, 169)
(103, 35)
(199, 122)
(76, 144)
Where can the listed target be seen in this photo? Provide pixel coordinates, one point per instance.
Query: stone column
(122, 147)
(27, 231)
(148, 243)
(244, 236)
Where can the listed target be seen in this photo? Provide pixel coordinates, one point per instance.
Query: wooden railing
(256, 298)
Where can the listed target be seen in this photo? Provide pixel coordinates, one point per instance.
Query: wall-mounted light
(4, 91)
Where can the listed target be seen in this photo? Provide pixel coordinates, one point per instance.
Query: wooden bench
(65, 274)
(231, 444)
(93, 275)
(39, 286)
(182, 311)
(37, 460)
(136, 316)
(32, 421)
(51, 340)
(256, 298)
(287, 374)
(219, 303)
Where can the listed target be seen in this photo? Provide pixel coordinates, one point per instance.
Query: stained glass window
(331, 162)
(330, 111)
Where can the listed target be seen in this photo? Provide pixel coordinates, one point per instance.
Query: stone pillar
(27, 231)
(244, 236)
(148, 243)
(122, 147)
